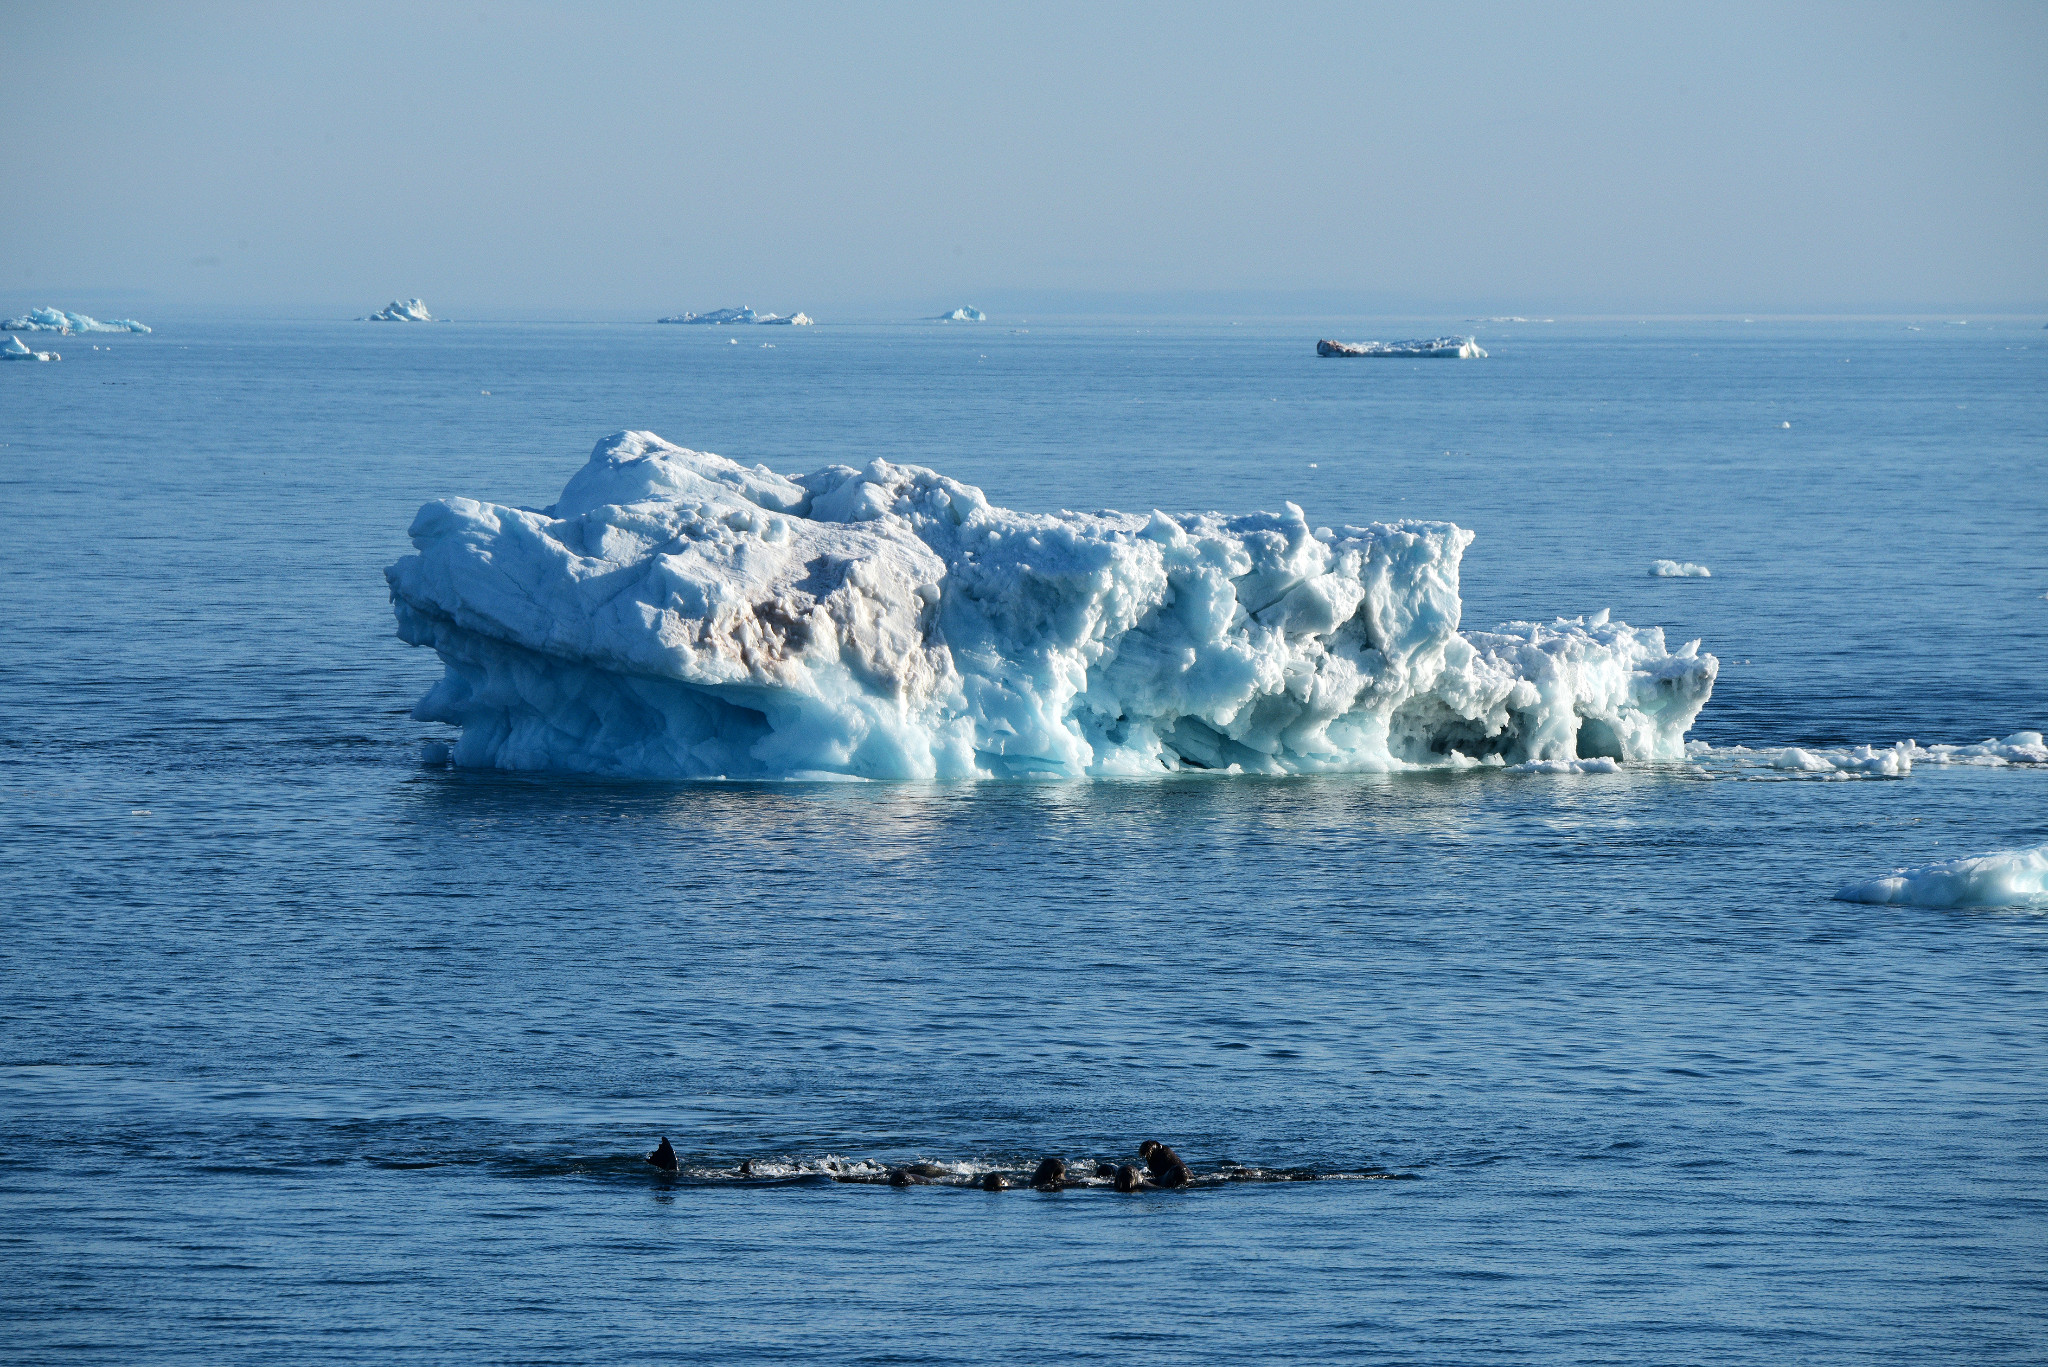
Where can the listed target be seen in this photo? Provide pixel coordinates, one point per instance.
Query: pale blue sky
(511, 160)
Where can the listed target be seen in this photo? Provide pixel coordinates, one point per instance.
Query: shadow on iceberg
(679, 615)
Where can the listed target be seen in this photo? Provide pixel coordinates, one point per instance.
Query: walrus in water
(1051, 1173)
(1128, 1178)
(900, 1177)
(1164, 1165)
(663, 1157)
(1105, 1169)
(995, 1181)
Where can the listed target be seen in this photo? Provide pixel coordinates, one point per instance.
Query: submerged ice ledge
(678, 615)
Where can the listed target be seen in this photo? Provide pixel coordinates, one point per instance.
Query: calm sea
(310, 1054)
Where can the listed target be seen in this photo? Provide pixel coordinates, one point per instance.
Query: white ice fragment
(1678, 569)
(966, 313)
(56, 320)
(1466, 348)
(401, 311)
(677, 614)
(2002, 878)
(737, 317)
(17, 350)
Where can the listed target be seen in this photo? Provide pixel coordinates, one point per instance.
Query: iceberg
(1466, 348)
(966, 313)
(2002, 878)
(1675, 569)
(401, 311)
(739, 317)
(676, 614)
(18, 350)
(56, 320)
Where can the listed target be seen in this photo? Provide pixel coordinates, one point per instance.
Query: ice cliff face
(677, 614)
(56, 320)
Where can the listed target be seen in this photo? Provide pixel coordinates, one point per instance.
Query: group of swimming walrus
(1163, 1169)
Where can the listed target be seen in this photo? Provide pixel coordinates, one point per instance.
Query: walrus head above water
(1051, 1173)
(1164, 1164)
(1128, 1178)
(995, 1181)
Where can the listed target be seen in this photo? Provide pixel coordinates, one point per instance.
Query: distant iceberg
(401, 311)
(17, 350)
(966, 313)
(737, 317)
(679, 615)
(1677, 569)
(1465, 348)
(2002, 878)
(56, 320)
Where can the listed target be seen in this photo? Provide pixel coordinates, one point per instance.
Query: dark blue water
(308, 1053)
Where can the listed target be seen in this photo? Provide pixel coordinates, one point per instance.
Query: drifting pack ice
(18, 350)
(1465, 348)
(1677, 569)
(56, 320)
(738, 317)
(676, 614)
(402, 311)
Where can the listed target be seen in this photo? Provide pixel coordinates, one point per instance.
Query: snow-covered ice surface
(401, 311)
(56, 320)
(1466, 348)
(2002, 878)
(1678, 569)
(679, 615)
(966, 313)
(737, 317)
(14, 349)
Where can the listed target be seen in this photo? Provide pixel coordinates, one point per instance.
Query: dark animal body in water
(1051, 1173)
(664, 1157)
(1105, 1169)
(900, 1178)
(995, 1181)
(1128, 1178)
(1164, 1165)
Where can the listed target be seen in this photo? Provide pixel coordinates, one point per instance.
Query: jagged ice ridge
(56, 320)
(676, 614)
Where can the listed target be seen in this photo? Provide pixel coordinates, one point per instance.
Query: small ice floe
(1511, 320)
(1565, 766)
(401, 311)
(738, 317)
(966, 313)
(1678, 569)
(1464, 348)
(56, 320)
(1867, 761)
(17, 350)
(2001, 878)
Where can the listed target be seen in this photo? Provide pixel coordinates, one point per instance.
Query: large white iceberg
(737, 317)
(1466, 348)
(2002, 878)
(17, 350)
(56, 320)
(677, 614)
(402, 311)
(966, 313)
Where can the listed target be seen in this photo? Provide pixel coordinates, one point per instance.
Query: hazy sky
(507, 159)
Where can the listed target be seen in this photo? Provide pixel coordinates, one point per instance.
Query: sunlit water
(308, 1053)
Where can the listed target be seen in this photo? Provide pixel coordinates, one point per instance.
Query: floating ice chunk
(1565, 766)
(677, 614)
(1463, 347)
(2002, 878)
(1677, 569)
(56, 320)
(737, 317)
(401, 311)
(17, 350)
(1870, 761)
(966, 313)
